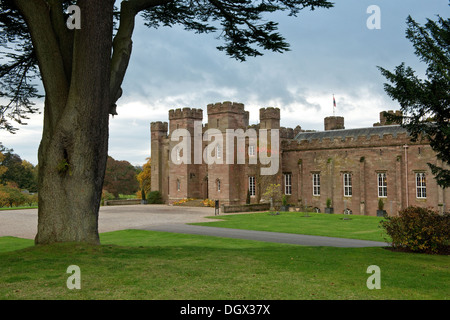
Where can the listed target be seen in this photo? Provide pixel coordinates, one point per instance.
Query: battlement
(289, 133)
(159, 126)
(186, 113)
(384, 121)
(269, 113)
(226, 107)
(351, 138)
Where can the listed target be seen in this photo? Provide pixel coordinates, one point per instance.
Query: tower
(269, 118)
(334, 123)
(225, 177)
(159, 152)
(184, 175)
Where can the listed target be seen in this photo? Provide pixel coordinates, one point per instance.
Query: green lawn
(137, 264)
(317, 224)
(18, 208)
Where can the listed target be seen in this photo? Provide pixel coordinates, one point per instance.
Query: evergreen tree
(425, 103)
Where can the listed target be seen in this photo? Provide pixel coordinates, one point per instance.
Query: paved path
(278, 237)
(23, 224)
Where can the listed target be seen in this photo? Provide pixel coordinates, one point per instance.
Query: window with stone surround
(347, 184)
(421, 185)
(382, 185)
(218, 184)
(287, 184)
(178, 185)
(316, 184)
(218, 152)
(252, 186)
(251, 150)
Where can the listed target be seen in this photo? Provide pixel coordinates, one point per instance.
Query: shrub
(380, 204)
(419, 230)
(182, 201)
(107, 196)
(209, 203)
(11, 197)
(154, 197)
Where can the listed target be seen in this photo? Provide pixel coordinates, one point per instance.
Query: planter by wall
(381, 213)
(329, 210)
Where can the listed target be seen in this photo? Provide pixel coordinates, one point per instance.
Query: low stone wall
(245, 207)
(122, 202)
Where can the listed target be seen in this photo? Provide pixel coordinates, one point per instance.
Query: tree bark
(74, 145)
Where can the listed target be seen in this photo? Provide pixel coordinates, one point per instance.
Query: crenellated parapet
(334, 123)
(350, 138)
(186, 113)
(269, 113)
(159, 126)
(287, 133)
(384, 121)
(226, 107)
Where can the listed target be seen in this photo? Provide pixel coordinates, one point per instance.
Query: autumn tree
(145, 177)
(82, 70)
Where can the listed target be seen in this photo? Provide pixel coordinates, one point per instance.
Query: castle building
(349, 170)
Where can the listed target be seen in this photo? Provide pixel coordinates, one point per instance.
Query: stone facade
(351, 168)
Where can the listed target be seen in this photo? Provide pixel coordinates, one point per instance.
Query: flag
(334, 102)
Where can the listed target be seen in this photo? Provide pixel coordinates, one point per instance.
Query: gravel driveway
(23, 223)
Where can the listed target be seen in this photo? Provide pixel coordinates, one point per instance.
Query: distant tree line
(19, 179)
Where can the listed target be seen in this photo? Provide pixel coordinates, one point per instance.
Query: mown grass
(318, 224)
(137, 264)
(18, 208)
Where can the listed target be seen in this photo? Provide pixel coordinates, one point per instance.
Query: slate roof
(344, 133)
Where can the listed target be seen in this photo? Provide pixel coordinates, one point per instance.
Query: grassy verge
(18, 208)
(318, 224)
(136, 264)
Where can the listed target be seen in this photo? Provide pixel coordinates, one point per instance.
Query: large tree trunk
(74, 146)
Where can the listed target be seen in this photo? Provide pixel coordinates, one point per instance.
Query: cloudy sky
(332, 52)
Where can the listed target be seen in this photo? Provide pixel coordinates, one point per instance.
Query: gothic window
(287, 183)
(251, 150)
(252, 186)
(347, 184)
(421, 185)
(218, 152)
(382, 185)
(316, 184)
(218, 184)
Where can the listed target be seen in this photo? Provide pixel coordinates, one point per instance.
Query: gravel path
(23, 223)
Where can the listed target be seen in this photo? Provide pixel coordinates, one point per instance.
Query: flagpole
(334, 105)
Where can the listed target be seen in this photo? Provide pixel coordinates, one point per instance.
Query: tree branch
(37, 16)
(63, 35)
(122, 43)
